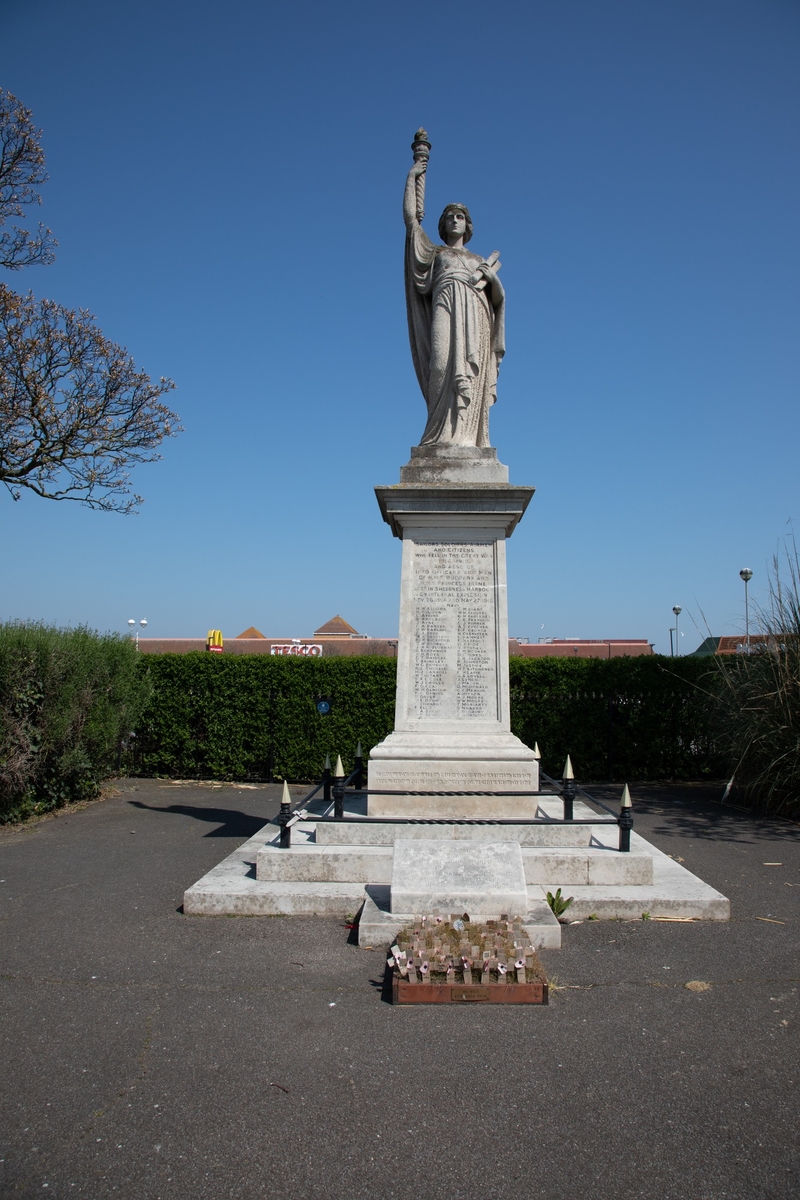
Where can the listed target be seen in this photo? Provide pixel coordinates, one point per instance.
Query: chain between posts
(568, 789)
(335, 786)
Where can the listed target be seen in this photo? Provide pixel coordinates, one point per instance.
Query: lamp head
(746, 574)
(676, 608)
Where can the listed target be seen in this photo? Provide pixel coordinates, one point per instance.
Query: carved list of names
(455, 672)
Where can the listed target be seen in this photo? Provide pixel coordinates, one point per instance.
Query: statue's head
(443, 222)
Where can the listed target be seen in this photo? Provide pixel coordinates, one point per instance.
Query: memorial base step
(357, 833)
(378, 926)
(311, 879)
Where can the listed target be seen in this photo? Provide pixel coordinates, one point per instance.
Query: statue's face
(455, 223)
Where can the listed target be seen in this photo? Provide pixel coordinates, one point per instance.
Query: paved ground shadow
(699, 814)
(231, 823)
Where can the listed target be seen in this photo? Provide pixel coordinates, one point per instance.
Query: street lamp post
(746, 575)
(131, 624)
(676, 608)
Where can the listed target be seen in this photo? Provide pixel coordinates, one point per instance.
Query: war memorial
(454, 816)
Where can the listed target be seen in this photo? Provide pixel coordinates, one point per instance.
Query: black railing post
(358, 781)
(625, 821)
(283, 818)
(338, 789)
(568, 790)
(326, 780)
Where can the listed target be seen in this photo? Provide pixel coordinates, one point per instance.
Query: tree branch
(75, 413)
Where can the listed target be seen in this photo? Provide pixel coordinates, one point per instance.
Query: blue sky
(226, 186)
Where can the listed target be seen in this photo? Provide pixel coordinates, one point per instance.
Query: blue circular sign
(323, 707)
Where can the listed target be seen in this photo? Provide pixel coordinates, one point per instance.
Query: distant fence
(264, 717)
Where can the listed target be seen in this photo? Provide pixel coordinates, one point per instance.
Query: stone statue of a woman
(455, 307)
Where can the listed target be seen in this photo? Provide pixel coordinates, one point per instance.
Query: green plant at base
(558, 904)
(646, 916)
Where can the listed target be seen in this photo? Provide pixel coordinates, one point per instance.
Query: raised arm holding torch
(422, 152)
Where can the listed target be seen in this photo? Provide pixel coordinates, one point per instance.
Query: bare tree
(21, 172)
(75, 413)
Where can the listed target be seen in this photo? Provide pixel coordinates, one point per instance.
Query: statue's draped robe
(457, 340)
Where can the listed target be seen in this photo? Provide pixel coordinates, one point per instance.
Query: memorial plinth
(452, 714)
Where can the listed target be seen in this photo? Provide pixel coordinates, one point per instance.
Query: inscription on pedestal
(454, 622)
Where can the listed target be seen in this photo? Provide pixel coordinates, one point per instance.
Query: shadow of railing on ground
(231, 823)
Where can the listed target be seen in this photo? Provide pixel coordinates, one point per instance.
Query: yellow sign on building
(214, 641)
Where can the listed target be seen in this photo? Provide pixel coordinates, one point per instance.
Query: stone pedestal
(452, 729)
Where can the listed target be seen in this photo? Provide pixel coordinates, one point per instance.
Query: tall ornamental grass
(68, 701)
(759, 700)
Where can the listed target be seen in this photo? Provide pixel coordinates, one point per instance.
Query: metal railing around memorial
(334, 788)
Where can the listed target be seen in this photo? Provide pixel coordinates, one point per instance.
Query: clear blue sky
(226, 185)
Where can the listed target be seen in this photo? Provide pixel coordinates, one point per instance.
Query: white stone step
(248, 898)
(306, 861)
(325, 864)
(232, 887)
(377, 926)
(357, 833)
(674, 892)
(482, 878)
(594, 865)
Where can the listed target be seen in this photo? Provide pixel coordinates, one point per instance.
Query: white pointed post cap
(359, 753)
(537, 754)
(285, 797)
(626, 801)
(339, 771)
(568, 772)
(327, 766)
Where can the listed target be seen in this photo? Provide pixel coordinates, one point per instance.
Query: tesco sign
(308, 649)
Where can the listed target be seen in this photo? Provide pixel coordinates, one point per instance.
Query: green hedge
(68, 699)
(219, 716)
(252, 717)
(625, 718)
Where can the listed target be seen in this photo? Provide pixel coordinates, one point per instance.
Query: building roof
(251, 633)
(336, 627)
(332, 647)
(338, 645)
(740, 644)
(580, 648)
(706, 649)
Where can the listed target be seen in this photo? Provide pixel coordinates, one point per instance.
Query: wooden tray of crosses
(457, 961)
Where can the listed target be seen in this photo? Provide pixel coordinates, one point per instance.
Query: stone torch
(422, 152)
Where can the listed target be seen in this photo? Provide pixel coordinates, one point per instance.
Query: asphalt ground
(148, 1054)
